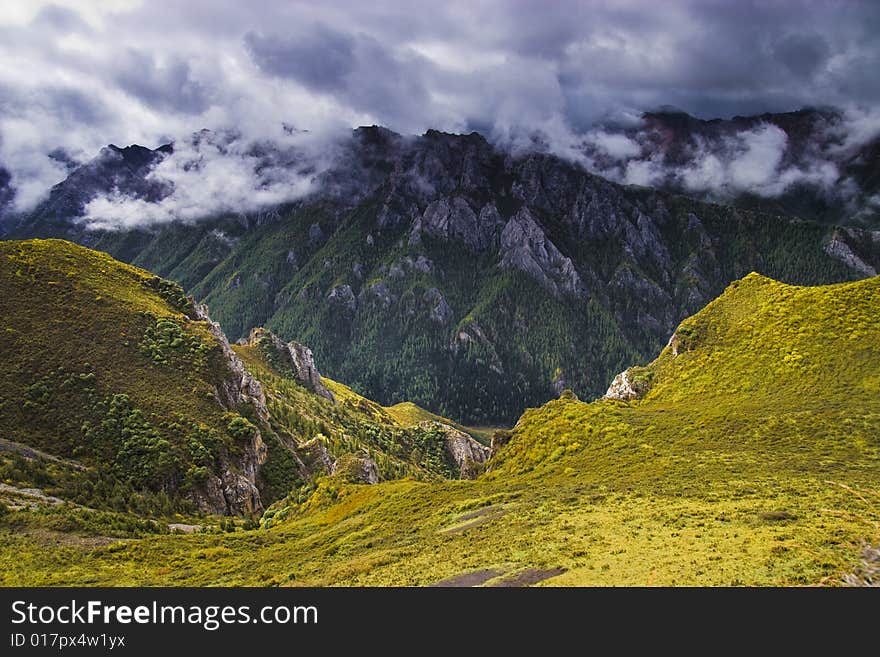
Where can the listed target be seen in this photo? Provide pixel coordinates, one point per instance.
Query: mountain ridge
(441, 258)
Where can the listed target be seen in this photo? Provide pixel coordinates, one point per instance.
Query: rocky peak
(296, 357)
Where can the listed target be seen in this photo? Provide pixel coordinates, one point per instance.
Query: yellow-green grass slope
(752, 460)
(349, 425)
(105, 365)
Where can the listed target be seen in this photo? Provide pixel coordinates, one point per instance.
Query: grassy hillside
(752, 459)
(110, 397)
(353, 425)
(107, 366)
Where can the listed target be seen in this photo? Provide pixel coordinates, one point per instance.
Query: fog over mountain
(573, 78)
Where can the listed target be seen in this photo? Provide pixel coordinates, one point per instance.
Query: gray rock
(342, 295)
(296, 356)
(316, 235)
(381, 292)
(440, 311)
(626, 386)
(238, 387)
(454, 220)
(837, 248)
(234, 490)
(525, 247)
(357, 468)
(462, 448)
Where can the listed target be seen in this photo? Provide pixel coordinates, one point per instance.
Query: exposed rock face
(627, 386)
(295, 356)
(524, 246)
(343, 296)
(234, 491)
(306, 371)
(453, 219)
(240, 387)
(440, 310)
(318, 456)
(839, 249)
(380, 292)
(316, 235)
(462, 448)
(357, 468)
(622, 388)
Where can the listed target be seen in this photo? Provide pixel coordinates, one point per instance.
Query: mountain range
(473, 280)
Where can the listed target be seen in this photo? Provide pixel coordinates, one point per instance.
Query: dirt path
(7, 445)
(476, 518)
(34, 495)
(474, 578)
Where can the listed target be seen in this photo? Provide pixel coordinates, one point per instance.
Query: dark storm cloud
(78, 75)
(169, 86)
(320, 58)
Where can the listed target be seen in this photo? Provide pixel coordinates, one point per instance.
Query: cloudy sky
(78, 74)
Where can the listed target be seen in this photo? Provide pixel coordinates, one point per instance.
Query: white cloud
(219, 173)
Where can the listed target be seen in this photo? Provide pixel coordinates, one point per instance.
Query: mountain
(118, 393)
(7, 193)
(747, 453)
(466, 279)
(806, 163)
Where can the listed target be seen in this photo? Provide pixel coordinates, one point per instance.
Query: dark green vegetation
(752, 458)
(442, 271)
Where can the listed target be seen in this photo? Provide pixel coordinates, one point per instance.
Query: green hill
(114, 369)
(747, 455)
(117, 393)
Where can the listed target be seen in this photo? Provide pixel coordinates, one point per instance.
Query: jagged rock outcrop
(838, 248)
(440, 311)
(296, 357)
(357, 468)
(623, 388)
(240, 386)
(454, 220)
(234, 491)
(524, 246)
(466, 452)
(317, 456)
